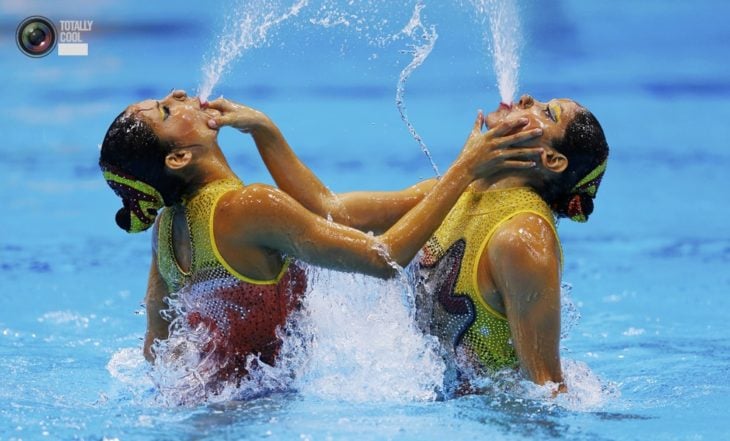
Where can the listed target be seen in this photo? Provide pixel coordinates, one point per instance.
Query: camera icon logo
(36, 36)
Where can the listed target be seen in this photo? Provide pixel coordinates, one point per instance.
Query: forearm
(364, 210)
(157, 327)
(539, 354)
(535, 326)
(404, 239)
(378, 211)
(293, 176)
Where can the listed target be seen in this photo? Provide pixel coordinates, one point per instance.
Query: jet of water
(505, 29)
(247, 28)
(427, 36)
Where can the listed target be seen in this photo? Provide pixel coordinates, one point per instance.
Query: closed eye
(551, 113)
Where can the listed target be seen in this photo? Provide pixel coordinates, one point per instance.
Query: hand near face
(235, 115)
(496, 151)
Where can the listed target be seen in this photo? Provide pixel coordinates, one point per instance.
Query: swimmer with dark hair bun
(232, 251)
(490, 274)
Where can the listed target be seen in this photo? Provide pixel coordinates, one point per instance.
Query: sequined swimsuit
(241, 314)
(449, 304)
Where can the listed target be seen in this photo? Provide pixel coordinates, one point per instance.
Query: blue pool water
(647, 354)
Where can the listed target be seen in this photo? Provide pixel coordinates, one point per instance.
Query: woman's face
(177, 119)
(553, 116)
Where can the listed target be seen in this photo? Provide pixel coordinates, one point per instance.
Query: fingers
(507, 126)
(220, 121)
(226, 108)
(521, 157)
(521, 137)
(512, 163)
(530, 153)
(221, 104)
(478, 124)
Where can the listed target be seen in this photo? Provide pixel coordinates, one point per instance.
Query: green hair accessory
(141, 201)
(579, 207)
(589, 184)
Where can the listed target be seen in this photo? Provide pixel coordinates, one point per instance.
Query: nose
(526, 101)
(179, 94)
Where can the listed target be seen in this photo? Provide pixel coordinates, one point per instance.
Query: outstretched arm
(275, 221)
(366, 211)
(524, 257)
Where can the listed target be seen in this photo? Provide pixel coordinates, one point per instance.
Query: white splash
(505, 29)
(569, 313)
(586, 390)
(246, 28)
(424, 41)
(364, 344)
(354, 340)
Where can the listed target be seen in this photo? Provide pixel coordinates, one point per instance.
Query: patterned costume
(450, 305)
(242, 314)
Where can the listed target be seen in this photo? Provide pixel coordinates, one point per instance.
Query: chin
(493, 118)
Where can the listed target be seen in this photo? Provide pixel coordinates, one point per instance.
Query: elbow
(333, 208)
(385, 272)
(384, 265)
(379, 267)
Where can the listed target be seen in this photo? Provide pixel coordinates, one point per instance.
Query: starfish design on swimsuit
(452, 313)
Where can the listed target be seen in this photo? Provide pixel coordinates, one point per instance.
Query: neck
(210, 168)
(500, 183)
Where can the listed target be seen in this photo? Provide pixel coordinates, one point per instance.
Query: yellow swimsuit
(450, 305)
(243, 315)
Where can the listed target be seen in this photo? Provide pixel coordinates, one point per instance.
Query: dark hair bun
(577, 207)
(124, 219)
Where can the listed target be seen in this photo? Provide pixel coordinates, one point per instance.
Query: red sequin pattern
(242, 318)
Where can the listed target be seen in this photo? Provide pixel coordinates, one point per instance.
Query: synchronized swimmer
(490, 275)
(232, 250)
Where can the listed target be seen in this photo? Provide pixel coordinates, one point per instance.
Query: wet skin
(178, 118)
(256, 225)
(552, 116)
(519, 272)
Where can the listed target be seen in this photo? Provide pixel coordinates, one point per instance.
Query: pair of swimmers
(491, 261)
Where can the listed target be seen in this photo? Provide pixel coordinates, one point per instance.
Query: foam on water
(586, 390)
(505, 42)
(354, 340)
(247, 28)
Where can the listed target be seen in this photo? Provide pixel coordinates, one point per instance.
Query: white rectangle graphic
(73, 49)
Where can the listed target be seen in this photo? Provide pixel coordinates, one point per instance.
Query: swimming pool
(647, 358)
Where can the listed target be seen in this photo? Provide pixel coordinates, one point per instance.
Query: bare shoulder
(525, 239)
(244, 197)
(241, 210)
(253, 201)
(252, 214)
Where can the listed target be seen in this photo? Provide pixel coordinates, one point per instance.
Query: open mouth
(497, 115)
